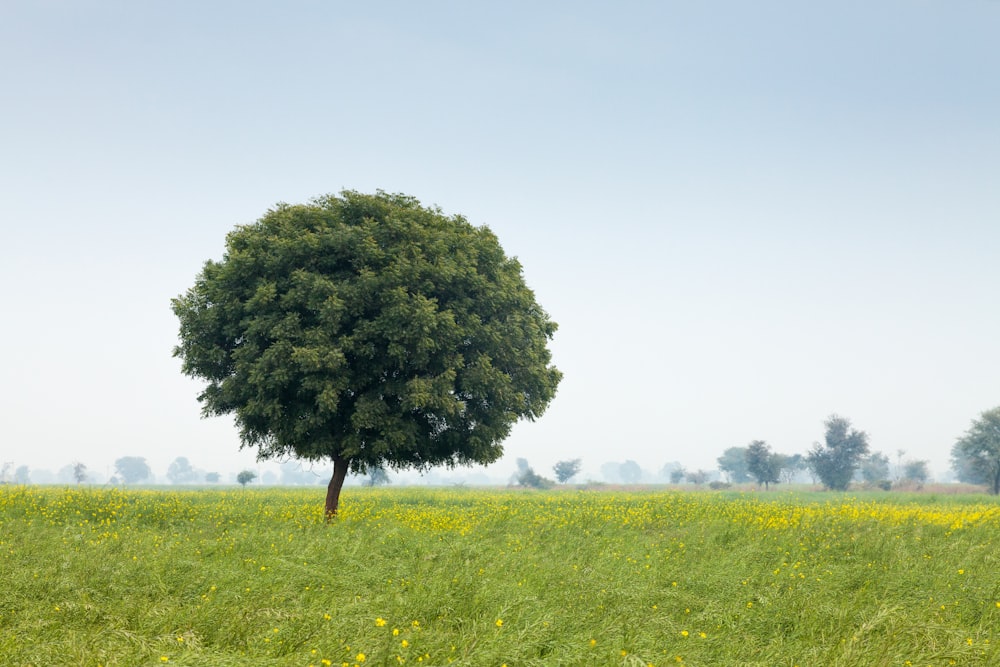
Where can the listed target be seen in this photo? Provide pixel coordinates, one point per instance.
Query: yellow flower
(404, 643)
(684, 633)
(593, 642)
(499, 622)
(380, 621)
(395, 632)
(360, 657)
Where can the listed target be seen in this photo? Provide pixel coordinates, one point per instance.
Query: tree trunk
(333, 489)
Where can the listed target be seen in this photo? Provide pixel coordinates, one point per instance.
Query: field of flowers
(496, 577)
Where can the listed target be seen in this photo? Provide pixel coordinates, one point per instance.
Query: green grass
(432, 577)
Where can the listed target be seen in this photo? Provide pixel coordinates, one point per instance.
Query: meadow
(418, 576)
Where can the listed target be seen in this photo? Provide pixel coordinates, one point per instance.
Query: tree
(180, 471)
(916, 471)
(677, 475)
(79, 472)
(697, 477)
(733, 463)
(630, 472)
(370, 331)
(874, 468)
(377, 476)
(132, 469)
(22, 475)
(526, 476)
(245, 477)
(763, 465)
(975, 457)
(790, 465)
(835, 461)
(566, 470)
(212, 477)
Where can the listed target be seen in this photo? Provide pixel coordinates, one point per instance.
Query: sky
(744, 217)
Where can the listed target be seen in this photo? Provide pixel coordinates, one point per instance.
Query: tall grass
(418, 576)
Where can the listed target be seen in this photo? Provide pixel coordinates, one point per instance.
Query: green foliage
(762, 464)
(369, 330)
(835, 461)
(733, 463)
(975, 457)
(526, 476)
(677, 475)
(245, 477)
(916, 471)
(566, 470)
(132, 469)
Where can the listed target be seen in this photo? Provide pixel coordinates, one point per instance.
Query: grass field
(487, 578)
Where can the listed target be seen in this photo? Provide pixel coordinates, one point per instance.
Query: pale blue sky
(744, 216)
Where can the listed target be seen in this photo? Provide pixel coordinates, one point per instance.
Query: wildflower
(499, 622)
(593, 642)
(404, 643)
(361, 657)
(395, 632)
(379, 621)
(684, 633)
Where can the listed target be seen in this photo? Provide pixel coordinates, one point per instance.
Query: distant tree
(677, 475)
(245, 477)
(566, 470)
(975, 457)
(377, 477)
(180, 471)
(916, 471)
(874, 468)
(630, 472)
(22, 475)
(611, 472)
(526, 476)
(212, 477)
(132, 469)
(79, 472)
(790, 466)
(835, 461)
(733, 463)
(368, 330)
(697, 477)
(5, 471)
(762, 464)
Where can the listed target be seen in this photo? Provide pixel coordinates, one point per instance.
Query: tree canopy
(132, 469)
(975, 457)
(835, 461)
(370, 330)
(763, 464)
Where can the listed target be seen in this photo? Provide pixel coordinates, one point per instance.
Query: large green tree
(975, 457)
(368, 330)
(835, 461)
